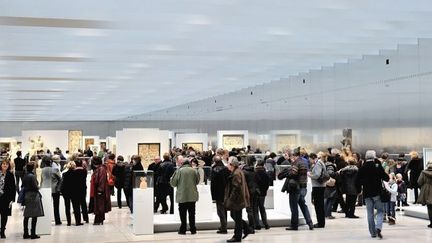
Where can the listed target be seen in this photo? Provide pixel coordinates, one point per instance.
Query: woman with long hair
(7, 195)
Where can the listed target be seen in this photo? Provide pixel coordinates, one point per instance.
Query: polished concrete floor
(117, 228)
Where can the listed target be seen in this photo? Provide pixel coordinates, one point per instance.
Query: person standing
(7, 195)
(186, 180)
(348, 177)
(79, 197)
(32, 201)
(297, 173)
(318, 187)
(55, 187)
(165, 171)
(154, 167)
(425, 182)
(219, 178)
(101, 191)
(263, 182)
(110, 164)
(68, 188)
(118, 172)
(370, 178)
(19, 169)
(249, 173)
(236, 199)
(128, 184)
(415, 167)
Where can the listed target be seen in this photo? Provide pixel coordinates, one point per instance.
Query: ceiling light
(139, 65)
(90, 32)
(70, 70)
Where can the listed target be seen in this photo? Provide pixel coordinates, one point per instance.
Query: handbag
(384, 195)
(21, 196)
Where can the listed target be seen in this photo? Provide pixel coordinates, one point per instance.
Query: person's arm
(421, 180)
(174, 179)
(316, 171)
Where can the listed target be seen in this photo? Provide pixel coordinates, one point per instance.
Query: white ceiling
(109, 60)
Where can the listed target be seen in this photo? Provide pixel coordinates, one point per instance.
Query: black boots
(2, 233)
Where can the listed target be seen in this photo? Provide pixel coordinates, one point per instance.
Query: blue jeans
(391, 209)
(328, 206)
(298, 198)
(371, 204)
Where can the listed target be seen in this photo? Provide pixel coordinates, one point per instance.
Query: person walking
(425, 183)
(20, 164)
(370, 178)
(32, 202)
(236, 199)
(219, 179)
(263, 182)
(186, 180)
(165, 171)
(118, 172)
(101, 191)
(7, 195)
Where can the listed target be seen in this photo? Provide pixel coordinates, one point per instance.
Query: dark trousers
(76, 209)
(328, 206)
(82, 204)
(171, 197)
(33, 225)
(318, 200)
(253, 202)
(260, 208)
(239, 224)
(296, 200)
(416, 194)
(156, 199)
(339, 200)
(99, 218)
(429, 207)
(56, 202)
(166, 190)
(18, 175)
(129, 200)
(4, 218)
(119, 196)
(350, 205)
(391, 209)
(222, 213)
(187, 208)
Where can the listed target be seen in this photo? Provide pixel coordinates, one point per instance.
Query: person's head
(194, 162)
(351, 160)
(217, 159)
(111, 156)
(46, 161)
(272, 155)
(312, 157)
(180, 160)
(414, 155)
(30, 166)
(233, 163)
(192, 154)
(392, 177)
(323, 156)
(120, 158)
(56, 158)
(71, 165)
(384, 156)
(260, 163)
(18, 153)
(370, 155)
(296, 153)
(96, 160)
(78, 163)
(399, 177)
(166, 156)
(157, 159)
(137, 159)
(5, 165)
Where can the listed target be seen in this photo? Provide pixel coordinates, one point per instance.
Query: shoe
(34, 237)
(340, 211)
(2, 235)
(234, 240)
(258, 228)
(379, 233)
(87, 221)
(267, 227)
(291, 228)
(245, 234)
(69, 224)
(430, 226)
(330, 217)
(222, 232)
(398, 209)
(163, 212)
(58, 223)
(181, 232)
(26, 236)
(373, 236)
(405, 205)
(193, 231)
(318, 226)
(311, 226)
(79, 224)
(101, 223)
(353, 217)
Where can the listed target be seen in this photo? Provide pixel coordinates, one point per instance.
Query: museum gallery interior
(118, 88)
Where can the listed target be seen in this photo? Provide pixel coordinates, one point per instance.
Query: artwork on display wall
(196, 146)
(88, 142)
(232, 141)
(74, 140)
(103, 145)
(285, 141)
(147, 152)
(5, 146)
(95, 149)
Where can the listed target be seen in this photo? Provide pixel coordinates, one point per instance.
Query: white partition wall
(192, 138)
(128, 140)
(51, 139)
(284, 138)
(221, 134)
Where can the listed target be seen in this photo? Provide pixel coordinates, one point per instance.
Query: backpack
(330, 169)
(268, 167)
(325, 176)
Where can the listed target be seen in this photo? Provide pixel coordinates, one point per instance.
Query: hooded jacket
(425, 183)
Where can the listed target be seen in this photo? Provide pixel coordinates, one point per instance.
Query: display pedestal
(43, 226)
(204, 209)
(143, 204)
(281, 199)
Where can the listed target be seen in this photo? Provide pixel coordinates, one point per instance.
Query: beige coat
(425, 183)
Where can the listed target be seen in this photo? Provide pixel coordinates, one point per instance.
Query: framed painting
(5, 146)
(198, 147)
(147, 152)
(74, 140)
(88, 142)
(232, 141)
(285, 141)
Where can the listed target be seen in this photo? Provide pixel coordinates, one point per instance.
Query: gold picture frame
(232, 141)
(147, 152)
(198, 147)
(74, 140)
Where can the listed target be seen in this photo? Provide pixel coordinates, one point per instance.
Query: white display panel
(221, 134)
(427, 156)
(183, 138)
(43, 226)
(143, 211)
(51, 139)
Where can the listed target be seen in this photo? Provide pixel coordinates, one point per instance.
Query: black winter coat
(262, 180)
(349, 176)
(370, 177)
(119, 173)
(8, 196)
(165, 171)
(249, 174)
(219, 179)
(416, 167)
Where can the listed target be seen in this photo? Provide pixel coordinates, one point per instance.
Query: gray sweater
(316, 171)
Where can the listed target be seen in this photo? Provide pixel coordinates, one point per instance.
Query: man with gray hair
(369, 178)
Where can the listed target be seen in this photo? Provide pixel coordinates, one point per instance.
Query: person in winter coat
(400, 168)
(118, 172)
(348, 177)
(100, 191)
(80, 182)
(263, 182)
(128, 184)
(7, 195)
(110, 164)
(32, 201)
(165, 171)
(415, 167)
(154, 167)
(425, 182)
(391, 188)
(330, 190)
(318, 187)
(55, 187)
(236, 199)
(249, 173)
(68, 188)
(219, 179)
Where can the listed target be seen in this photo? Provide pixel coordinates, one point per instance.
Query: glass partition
(143, 179)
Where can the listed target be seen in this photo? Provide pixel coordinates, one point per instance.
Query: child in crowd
(401, 198)
(392, 187)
